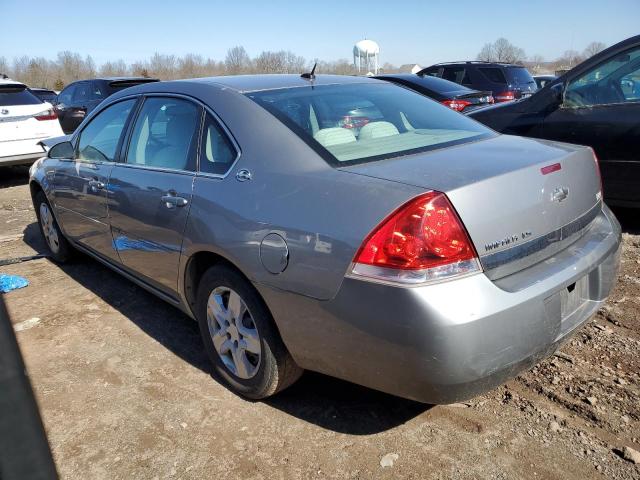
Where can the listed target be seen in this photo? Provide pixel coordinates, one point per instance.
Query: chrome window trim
(499, 264)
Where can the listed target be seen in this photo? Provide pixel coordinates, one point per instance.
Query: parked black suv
(79, 98)
(506, 81)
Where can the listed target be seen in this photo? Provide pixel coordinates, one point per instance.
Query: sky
(422, 32)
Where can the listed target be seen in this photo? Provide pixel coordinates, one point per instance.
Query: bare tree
(593, 48)
(116, 68)
(501, 51)
(569, 59)
(237, 61)
(487, 54)
(536, 63)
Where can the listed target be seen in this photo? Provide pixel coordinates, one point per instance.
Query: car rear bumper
(24, 159)
(450, 341)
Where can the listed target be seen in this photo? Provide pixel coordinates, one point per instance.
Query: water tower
(366, 56)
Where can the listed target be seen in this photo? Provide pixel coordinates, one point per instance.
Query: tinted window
(17, 95)
(457, 75)
(99, 139)
(66, 95)
(519, 75)
(217, 153)
(81, 93)
(164, 133)
(392, 120)
(616, 80)
(493, 75)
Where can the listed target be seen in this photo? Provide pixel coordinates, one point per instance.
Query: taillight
(46, 115)
(457, 105)
(424, 240)
(595, 159)
(505, 96)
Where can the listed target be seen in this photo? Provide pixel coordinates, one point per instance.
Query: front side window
(367, 121)
(99, 139)
(82, 92)
(217, 153)
(615, 81)
(164, 134)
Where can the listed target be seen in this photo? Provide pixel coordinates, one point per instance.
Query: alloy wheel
(233, 332)
(49, 228)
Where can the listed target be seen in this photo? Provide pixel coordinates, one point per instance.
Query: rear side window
(11, 95)
(164, 133)
(99, 139)
(367, 121)
(217, 153)
(519, 75)
(456, 74)
(494, 75)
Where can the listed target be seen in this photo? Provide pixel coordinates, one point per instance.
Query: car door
(80, 184)
(601, 108)
(153, 187)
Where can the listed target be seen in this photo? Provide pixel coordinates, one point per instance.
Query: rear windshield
(17, 95)
(365, 122)
(519, 75)
(440, 85)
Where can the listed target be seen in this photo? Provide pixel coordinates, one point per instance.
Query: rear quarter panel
(322, 213)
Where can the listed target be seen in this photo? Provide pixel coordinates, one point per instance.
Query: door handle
(96, 185)
(172, 201)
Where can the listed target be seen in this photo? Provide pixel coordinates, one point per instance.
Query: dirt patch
(125, 392)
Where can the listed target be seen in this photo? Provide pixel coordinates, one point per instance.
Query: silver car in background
(337, 224)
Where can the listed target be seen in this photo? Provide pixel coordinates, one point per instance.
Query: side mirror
(61, 150)
(557, 94)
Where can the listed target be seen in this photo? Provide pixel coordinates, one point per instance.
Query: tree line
(502, 50)
(71, 66)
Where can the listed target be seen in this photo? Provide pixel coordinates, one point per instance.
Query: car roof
(6, 81)
(479, 63)
(123, 79)
(252, 83)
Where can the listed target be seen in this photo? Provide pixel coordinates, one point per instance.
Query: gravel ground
(125, 391)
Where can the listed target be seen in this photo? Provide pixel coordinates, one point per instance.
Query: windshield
(368, 121)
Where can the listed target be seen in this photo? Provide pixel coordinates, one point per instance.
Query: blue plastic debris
(11, 282)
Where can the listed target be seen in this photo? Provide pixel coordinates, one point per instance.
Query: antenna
(312, 74)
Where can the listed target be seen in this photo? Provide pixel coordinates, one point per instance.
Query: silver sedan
(337, 224)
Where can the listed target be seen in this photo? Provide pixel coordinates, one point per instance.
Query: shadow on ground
(13, 176)
(318, 399)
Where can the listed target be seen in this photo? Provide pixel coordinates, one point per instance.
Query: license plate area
(573, 296)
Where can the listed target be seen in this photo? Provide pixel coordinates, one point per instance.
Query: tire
(254, 361)
(58, 245)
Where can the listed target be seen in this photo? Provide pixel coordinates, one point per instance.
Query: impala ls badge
(560, 194)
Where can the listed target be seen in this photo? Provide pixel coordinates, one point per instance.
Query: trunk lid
(520, 199)
(17, 122)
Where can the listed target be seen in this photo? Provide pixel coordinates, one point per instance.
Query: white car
(25, 121)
